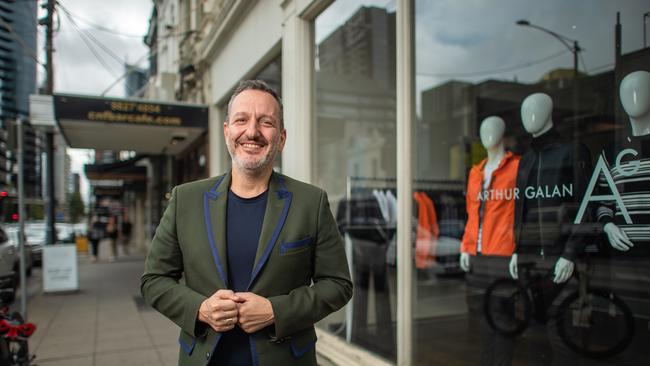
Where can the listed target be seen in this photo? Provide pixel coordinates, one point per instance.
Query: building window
(523, 153)
(355, 159)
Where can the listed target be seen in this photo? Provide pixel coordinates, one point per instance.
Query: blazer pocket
(187, 343)
(295, 246)
(303, 343)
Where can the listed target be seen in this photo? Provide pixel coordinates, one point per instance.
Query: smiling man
(259, 253)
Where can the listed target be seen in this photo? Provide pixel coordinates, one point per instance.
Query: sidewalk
(104, 323)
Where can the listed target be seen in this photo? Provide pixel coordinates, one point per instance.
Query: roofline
(139, 100)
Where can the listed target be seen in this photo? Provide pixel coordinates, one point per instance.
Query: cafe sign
(129, 111)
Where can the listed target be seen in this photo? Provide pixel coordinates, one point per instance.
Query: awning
(139, 125)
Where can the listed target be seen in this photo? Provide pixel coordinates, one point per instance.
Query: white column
(405, 110)
(297, 93)
(217, 146)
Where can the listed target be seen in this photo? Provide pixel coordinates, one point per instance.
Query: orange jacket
(427, 232)
(498, 211)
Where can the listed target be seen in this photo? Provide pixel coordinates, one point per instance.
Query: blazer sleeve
(331, 288)
(160, 284)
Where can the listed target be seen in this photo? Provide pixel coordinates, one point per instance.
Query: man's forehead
(257, 98)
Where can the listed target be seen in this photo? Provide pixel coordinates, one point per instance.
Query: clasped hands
(225, 309)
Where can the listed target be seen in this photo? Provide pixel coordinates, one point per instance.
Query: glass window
(355, 159)
(532, 161)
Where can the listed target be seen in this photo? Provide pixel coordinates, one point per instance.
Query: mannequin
(491, 132)
(488, 240)
(553, 163)
(635, 98)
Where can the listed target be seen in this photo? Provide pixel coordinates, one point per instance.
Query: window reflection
(517, 128)
(356, 160)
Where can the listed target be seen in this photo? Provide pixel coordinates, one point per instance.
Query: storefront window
(532, 160)
(355, 159)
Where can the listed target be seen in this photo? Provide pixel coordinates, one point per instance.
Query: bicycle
(593, 322)
(14, 333)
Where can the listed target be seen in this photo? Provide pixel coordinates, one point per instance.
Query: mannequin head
(491, 131)
(536, 113)
(635, 98)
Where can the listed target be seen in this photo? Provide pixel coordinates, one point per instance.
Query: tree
(76, 207)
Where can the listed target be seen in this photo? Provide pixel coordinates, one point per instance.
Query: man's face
(253, 133)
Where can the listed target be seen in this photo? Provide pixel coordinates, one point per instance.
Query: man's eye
(267, 122)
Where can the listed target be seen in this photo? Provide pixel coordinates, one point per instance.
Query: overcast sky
(77, 69)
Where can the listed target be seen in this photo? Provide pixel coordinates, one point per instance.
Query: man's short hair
(257, 85)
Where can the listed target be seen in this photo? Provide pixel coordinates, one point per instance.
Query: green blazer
(300, 266)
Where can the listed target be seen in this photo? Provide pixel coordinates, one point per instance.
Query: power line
(98, 26)
(91, 48)
(495, 71)
(92, 38)
(30, 52)
(101, 28)
(128, 71)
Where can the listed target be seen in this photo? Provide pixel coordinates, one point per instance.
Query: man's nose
(252, 129)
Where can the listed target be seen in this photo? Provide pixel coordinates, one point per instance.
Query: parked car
(12, 234)
(7, 260)
(35, 235)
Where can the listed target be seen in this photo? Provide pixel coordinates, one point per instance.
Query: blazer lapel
(277, 209)
(214, 206)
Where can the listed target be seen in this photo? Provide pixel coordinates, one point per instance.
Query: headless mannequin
(491, 131)
(536, 113)
(635, 98)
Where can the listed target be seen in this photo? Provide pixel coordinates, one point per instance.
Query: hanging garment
(491, 210)
(392, 207)
(433, 225)
(427, 231)
(383, 203)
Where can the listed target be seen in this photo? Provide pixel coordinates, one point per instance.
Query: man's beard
(253, 166)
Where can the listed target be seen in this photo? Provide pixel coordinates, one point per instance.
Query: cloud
(77, 69)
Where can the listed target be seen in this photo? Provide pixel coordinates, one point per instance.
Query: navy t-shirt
(244, 219)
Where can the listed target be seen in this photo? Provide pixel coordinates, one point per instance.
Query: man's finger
(226, 295)
(244, 296)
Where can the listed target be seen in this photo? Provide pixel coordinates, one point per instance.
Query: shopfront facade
(462, 145)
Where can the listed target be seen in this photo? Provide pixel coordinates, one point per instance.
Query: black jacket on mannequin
(551, 181)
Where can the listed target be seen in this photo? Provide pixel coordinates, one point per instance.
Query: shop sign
(602, 168)
(129, 111)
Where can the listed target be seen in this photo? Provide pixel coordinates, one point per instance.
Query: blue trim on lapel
(297, 352)
(216, 185)
(216, 343)
(208, 227)
(187, 348)
(254, 356)
(282, 193)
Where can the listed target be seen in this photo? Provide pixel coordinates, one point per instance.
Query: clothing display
(490, 210)
(551, 181)
(632, 180)
(364, 221)
(428, 231)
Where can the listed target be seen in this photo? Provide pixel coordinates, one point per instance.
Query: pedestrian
(240, 303)
(95, 234)
(125, 234)
(111, 234)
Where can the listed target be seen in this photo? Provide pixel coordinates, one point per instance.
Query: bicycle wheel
(599, 325)
(507, 307)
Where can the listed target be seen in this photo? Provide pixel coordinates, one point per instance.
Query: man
(259, 253)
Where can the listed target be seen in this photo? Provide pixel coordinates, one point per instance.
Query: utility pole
(49, 135)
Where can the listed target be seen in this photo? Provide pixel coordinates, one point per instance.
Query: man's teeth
(250, 145)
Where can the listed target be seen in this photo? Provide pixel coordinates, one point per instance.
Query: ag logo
(602, 168)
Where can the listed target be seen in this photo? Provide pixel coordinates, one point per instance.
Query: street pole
(50, 233)
(21, 217)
